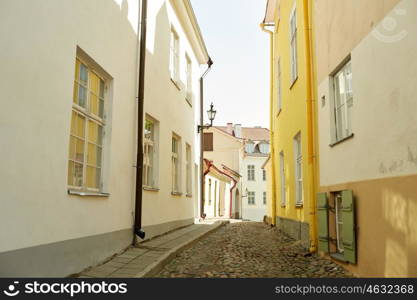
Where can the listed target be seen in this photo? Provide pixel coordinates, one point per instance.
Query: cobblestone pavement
(249, 249)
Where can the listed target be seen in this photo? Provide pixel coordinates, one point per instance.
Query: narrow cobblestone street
(249, 249)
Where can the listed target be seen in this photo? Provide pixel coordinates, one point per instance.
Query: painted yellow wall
(292, 119)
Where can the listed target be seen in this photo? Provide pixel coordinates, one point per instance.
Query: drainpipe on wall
(138, 232)
(310, 123)
(271, 61)
(209, 64)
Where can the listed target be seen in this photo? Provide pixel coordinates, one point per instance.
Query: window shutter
(348, 232)
(323, 226)
(208, 142)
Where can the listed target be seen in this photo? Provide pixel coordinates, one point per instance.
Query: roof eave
(192, 29)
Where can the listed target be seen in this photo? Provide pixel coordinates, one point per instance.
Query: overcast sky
(238, 83)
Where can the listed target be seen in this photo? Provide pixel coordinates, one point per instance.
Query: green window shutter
(348, 231)
(323, 220)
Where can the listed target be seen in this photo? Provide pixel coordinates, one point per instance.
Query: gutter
(209, 64)
(272, 154)
(310, 123)
(141, 98)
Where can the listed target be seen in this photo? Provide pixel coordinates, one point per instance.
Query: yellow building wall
(292, 118)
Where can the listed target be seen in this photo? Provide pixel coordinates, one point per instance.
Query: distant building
(241, 151)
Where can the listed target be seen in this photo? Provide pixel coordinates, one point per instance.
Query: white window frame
(251, 173)
(89, 117)
(343, 102)
(209, 192)
(176, 164)
(293, 44)
(251, 198)
(339, 222)
(174, 61)
(150, 155)
(250, 147)
(279, 86)
(189, 79)
(188, 164)
(298, 172)
(282, 177)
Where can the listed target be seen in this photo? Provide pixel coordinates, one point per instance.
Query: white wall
(165, 102)
(384, 107)
(259, 186)
(38, 51)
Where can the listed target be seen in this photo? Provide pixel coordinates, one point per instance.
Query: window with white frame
(279, 93)
(339, 222)
(189, 77)
(293, 44)
(264, 148)
(87, 129)
(343, 102)
(298, 170)
(209, 192)
(150, 153)
(249, 147)
(251, 198)
(264, 198)
(251, 172)
(176, 172)
(188, 165)
(282, 177)
(174, 61)
(264, 175)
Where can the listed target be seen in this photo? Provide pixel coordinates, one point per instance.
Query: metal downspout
(310, 123)
(141, 93)
(209, 64)
(274, 203)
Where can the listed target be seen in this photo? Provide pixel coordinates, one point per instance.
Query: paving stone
(248, 249)
(123, 260)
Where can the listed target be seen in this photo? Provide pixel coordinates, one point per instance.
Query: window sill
(342, 140)
(176, 193)
(338, 256)
(87, 194)
(189, 195)
(293, 83)
(150, 189)
(299, 205)
(176, 84)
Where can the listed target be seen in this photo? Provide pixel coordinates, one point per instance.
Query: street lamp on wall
(211, 114)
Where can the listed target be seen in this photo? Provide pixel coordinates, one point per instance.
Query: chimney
(238, 130)
(230, 128)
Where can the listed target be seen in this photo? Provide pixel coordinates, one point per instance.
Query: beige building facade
(69, 135)
(224, 151)
(367, 82)
(175, 61)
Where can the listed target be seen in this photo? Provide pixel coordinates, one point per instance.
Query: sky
(238, 83)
